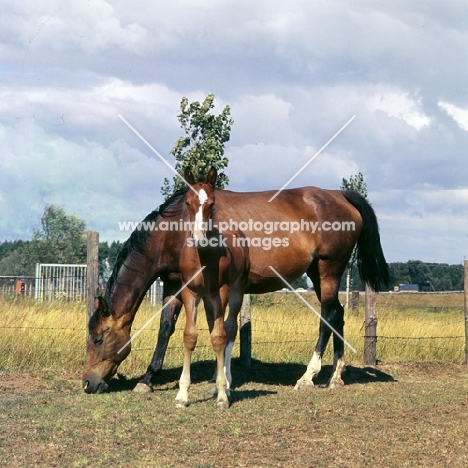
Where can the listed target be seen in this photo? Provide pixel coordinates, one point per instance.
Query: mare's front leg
(191, 301)
(170, 312)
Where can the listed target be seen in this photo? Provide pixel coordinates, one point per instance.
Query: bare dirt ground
(403, 415)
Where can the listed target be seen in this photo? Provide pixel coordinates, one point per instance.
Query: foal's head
(200, 201)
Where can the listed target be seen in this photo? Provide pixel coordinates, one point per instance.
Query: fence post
(245, 333)
(92, 271)
(354, 301)
(465, 288)
(370, 334)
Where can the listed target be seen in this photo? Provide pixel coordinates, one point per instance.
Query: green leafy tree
(355, 183)
(17, 262)
(203, 144)
(62, 238)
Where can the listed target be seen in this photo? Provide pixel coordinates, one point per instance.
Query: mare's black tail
(372, 266)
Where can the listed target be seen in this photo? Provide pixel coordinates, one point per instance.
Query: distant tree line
(429, 276)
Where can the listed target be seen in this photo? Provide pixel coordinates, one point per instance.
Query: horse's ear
(188, 176)
(212, 176)
(101, 304)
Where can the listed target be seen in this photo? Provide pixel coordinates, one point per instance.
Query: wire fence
(33, 335)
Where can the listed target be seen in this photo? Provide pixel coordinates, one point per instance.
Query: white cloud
(91, 112)
(429, 225)
(399, 104)
(73, 24)
(458, 114)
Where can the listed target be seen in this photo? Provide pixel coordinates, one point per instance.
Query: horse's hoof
(304, 385)
(143, 388)
(222, 405)
(336, 383)
(181, 404)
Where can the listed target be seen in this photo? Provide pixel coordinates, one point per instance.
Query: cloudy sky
(293, 73)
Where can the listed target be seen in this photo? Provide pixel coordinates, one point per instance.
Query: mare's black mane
(137, 241)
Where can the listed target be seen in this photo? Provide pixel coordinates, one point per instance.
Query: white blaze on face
(198, 232)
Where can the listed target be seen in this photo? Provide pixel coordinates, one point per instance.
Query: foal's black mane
(137, 241)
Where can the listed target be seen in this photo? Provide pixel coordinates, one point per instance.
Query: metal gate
(55, 281)
(60, 282)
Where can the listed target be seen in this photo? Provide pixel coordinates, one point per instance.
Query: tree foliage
(17, 262)
(355, 183)
(203, 144)
(61, 239)
(429, 276)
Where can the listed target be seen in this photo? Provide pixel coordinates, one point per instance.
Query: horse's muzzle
(94, 385)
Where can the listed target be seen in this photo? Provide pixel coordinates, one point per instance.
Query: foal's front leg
(190, 340)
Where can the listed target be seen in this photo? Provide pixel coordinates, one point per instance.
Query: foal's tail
(372, 266)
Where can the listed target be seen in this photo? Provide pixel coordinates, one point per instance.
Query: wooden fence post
(92, 271)
(245, 333)
(465, 288)
(370, 334)
(354, 301)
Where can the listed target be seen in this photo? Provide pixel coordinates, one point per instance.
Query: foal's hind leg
(231, 325)
(190, 341)
(218, 341)
(209, 311)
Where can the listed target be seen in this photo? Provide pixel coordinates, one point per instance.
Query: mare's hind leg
(332, 321)
(338, 346)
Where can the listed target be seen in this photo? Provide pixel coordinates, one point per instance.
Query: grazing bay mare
(331, 223)
(215, 268)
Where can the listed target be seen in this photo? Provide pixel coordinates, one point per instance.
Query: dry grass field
(427, 327)
(408, 411)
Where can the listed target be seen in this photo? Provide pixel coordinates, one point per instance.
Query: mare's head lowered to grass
(107, 346)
